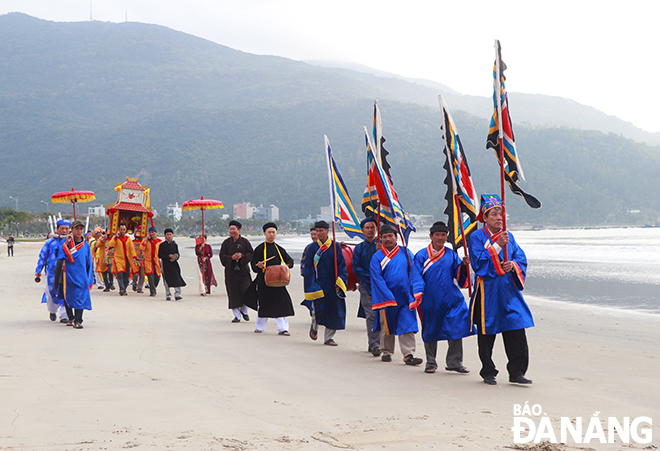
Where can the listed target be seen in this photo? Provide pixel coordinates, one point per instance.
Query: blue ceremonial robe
(78, 275)
(444, 314)
(46, 264)
(320, 293)
(499, 294)
(391, 290)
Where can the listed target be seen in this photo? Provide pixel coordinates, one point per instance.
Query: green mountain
(86, 104)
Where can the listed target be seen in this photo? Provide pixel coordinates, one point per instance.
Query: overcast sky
(602, 53)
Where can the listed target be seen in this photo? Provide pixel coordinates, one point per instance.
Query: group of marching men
(396, 285)
(74, 262)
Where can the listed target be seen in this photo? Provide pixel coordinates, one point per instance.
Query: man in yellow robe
(149, 247)
(124, 260)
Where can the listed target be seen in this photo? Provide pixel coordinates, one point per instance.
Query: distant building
(326, 214)
(421, 220)
(97, 210)
(271, 213)
(174, 211)
(244, 210)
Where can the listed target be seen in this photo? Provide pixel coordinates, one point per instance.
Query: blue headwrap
(365, 220)
(64, 222)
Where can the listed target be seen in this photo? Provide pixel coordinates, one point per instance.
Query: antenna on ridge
(90, 12)
(126, 15)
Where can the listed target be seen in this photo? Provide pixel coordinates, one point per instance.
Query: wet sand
(150, 374)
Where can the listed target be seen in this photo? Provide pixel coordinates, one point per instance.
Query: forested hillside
(86, 104)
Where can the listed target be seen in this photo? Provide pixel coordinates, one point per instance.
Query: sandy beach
(150, 374)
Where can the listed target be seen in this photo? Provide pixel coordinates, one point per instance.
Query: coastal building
(244, 210)
(96, 210)
(326, 214)
(174, 211)
(270, 213)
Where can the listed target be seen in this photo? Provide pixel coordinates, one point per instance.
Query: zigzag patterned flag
(512, 167)
(370, 196)
(340, 201)
(390, 207)
(459, 183)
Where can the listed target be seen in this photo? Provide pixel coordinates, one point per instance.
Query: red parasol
(73, 196)
(202, 204)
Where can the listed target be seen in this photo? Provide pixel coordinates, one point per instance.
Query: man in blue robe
(361, 262)
(497, 304)
(443, 311)
(325, 290)
(392, 297)
(78, 274)
(47, 263)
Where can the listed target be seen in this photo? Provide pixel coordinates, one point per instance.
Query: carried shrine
(131, 208)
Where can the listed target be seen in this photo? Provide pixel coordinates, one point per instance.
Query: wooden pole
(498, 87)
(334, 244)
(465, 245)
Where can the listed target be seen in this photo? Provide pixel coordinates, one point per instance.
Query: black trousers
(74, 315)
(517, 352)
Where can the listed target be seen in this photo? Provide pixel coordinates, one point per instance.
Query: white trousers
(55, 308)
(242, 309)
(282, 323)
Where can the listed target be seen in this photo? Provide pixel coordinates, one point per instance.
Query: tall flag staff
(501, 140)
(462, 201)
(340, 203)
(371, 205)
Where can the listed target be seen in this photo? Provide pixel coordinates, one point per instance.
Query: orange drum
(347, 251)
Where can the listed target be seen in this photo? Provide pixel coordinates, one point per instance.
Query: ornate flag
(462, 199)
(370, 196)
(502, 131)
(340, 201)
(390, 207)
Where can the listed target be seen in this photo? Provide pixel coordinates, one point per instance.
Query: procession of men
(399, 291)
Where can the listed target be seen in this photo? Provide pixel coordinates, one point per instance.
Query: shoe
(490, 380)
(386, 358)
(429, 370)
(152, 294)
(64, 320)
(100, 288)
(375, 352)
(410, 360)
(53, 316)
(520, 380)
(123, 293)
(77, 326)
(312, 333)
(236, 320)
(257, 331)
(177, 298)
(168, 298)
(134, 288)
(246, 317)
(106, 290)
(112, 287)
(461, 370)
(330, 342)
(69, 323)
(287, 334)
(140, 291)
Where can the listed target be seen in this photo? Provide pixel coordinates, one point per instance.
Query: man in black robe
(168, 252)
(235, 254)
(270, 302)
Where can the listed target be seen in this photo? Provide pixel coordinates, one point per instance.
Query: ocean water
(617, 267)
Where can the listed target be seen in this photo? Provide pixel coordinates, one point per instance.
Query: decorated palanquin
(132, 208)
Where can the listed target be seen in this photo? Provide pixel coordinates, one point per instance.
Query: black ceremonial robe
(271, 302)
(237, 272)
(171, 269)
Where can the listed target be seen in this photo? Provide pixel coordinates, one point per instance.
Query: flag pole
(498, 96)
(334, 243)
(465, 245)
